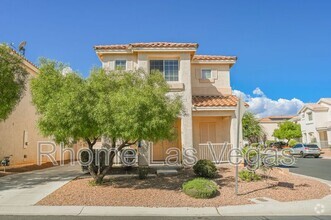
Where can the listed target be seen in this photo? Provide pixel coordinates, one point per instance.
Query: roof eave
(230, 62)
(33, 68)
(214, 108)
(164, 49)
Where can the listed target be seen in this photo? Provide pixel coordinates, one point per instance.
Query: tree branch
(95, 140)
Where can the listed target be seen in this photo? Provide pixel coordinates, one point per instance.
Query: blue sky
(283, 47)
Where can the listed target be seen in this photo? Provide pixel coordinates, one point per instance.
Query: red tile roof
(112, 47)
(164, 44)
(213, 57)
(276, 118)
(215, 101)
(23, 57)
(148, 45)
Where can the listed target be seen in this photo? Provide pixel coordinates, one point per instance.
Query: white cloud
(66, 71)
(258, 91)
(263, 106)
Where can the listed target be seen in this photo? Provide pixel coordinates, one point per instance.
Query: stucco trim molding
(175, 87)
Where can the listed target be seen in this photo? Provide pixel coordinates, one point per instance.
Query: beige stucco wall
(141, 60)
(23, 120)
(269, 128)
(219, 84)
(108, 62)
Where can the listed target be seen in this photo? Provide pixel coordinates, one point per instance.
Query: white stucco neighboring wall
(318, 127)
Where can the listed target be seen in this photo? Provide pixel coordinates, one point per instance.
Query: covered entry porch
(215, 127)
(212, 137)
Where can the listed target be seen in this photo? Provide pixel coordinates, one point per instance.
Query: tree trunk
(102, 171)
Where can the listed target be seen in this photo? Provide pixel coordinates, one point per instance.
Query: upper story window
(310, 116)
(120, 64)
(169, 68)
(206, 74)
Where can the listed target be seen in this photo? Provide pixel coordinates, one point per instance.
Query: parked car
(307, 149)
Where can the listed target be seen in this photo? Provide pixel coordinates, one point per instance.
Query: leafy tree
(125, 106)
(292, 142)
(287, 130)
(252, 130)
(13, 77)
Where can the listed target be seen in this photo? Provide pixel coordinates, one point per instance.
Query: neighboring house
(315, 121)
(203, 81)
(19, 134)
(269, 124)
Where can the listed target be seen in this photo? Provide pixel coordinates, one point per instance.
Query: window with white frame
(169, 68)
(310, 116)
(120, 64)
(206, 74)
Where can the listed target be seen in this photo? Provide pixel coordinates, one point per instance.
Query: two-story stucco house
(315, 121)
(271, 123)
(203, 81)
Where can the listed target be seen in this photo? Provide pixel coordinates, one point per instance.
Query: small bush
(248, 176)
(143, 172)
(94, 183)
(200, 188)
(269, 142)
(255, 144)
(205, 168)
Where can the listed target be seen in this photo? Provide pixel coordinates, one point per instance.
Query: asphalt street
(314, 167)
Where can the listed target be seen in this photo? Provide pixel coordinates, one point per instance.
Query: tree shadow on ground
(163, 182)
(256, 190)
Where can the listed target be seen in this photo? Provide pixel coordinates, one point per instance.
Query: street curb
(304, 208)
(107, 211)
(327, 182)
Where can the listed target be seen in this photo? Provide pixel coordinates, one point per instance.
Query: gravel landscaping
(166, 191)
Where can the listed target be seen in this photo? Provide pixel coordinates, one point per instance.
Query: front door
(159, 149)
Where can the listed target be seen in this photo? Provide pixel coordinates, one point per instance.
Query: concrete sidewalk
(26, 189)
(302, 208)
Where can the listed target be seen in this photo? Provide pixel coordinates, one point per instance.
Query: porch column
(328, 135)
(185, 77)
(233, 132)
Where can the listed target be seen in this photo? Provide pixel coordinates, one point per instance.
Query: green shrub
(248, 176)
(255, 144)
(269, 142)
(143, 172)
(292, 142)
(200, 188)
(205, 168)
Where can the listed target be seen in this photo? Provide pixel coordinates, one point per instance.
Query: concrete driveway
(314, 167)
(28, 188)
